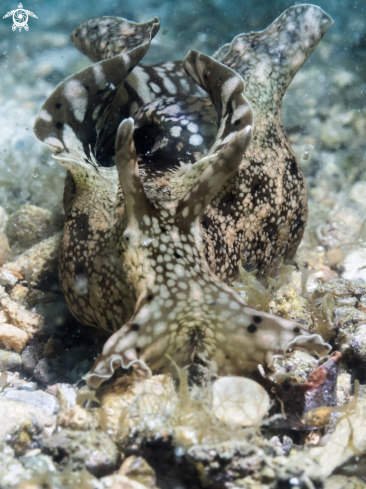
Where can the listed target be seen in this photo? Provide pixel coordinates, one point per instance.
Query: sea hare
(169, 191)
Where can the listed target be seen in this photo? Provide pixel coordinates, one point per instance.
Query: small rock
(4, 249)
(12, 337)
(48, 371)
(30, 322)
(9, 360)
(358, 193)
(340, 287)
(355, 266)
(12, 472)
(344, 386)
(287, 445)
(3, 317)
(39, 261)
(239, 402)
(59, 480)
(31, 355)
(138, 469)
(344, 482)
(59, 362)
(3, 218)
(360, 125)
(297, 363)
(75, 418)
(29, 225)
(26, 437)
(288, 304)
(223, 463)
(341, 228)
(334, 257)
(92, 449)
(358, 343)
(66, 396)
(7, 279)
(44, 401)
(348, 439)
(39, 464)
(117, 481)
(16, 413)
(20, 294)
(297, 471)
(126, 398)
(333, 134)
(344, 78)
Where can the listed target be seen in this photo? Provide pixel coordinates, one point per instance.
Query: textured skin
(149, 258)
(182, 308)
(265, 205)
(104, 37)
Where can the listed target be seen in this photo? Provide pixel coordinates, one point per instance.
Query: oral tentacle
(137, 205)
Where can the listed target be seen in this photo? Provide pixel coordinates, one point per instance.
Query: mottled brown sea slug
(177, 174)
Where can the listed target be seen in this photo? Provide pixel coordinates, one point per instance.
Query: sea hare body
(169, 191)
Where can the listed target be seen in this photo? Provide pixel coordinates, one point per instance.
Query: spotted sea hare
(178, 173)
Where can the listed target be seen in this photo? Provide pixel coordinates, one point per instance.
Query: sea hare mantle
(168, 191)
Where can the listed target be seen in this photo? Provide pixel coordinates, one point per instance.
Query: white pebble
(7, 278)
(239, 402)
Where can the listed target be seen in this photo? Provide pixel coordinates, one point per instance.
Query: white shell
(239, 402)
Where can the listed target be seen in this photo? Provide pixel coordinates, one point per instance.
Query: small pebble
(16, 413)
(28, 226)
(38, 463)
(7, 279)
(93, 449)
(4, 249)
(75, 418)
(31, 355)
(12, 337)
(355, 266)
(358, 193)
(138, 469)
(239, 402)
(38, 398)
(66, 396)
(334, 257)
(30, 322)
(358, 344)
(118, 481)
(9, 360)
(3, 218)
